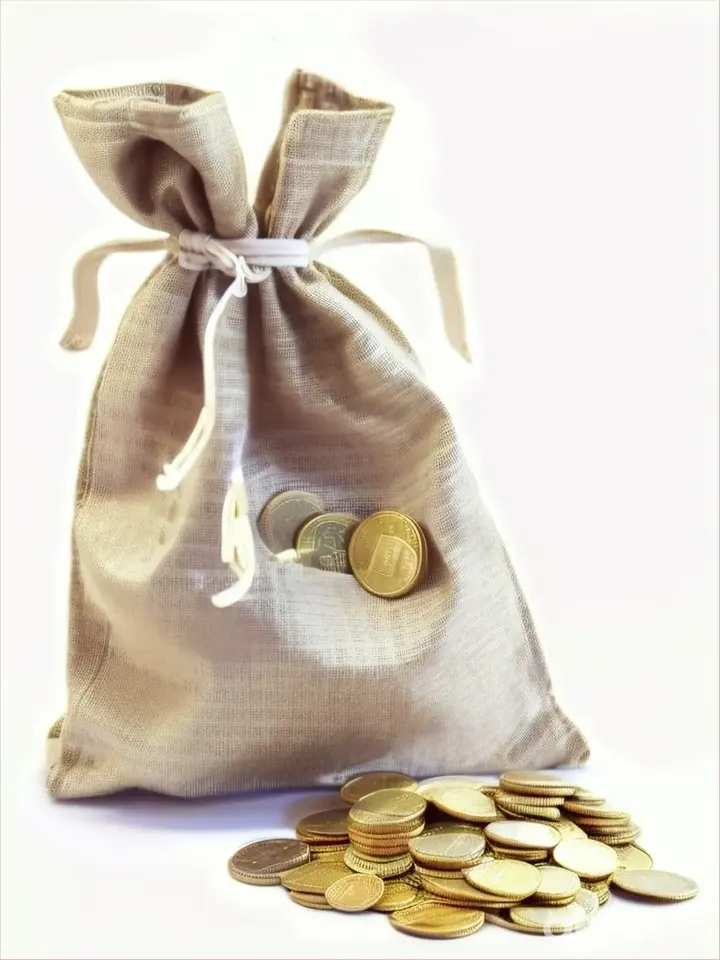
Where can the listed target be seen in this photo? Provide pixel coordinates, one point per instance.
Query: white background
(569, 152)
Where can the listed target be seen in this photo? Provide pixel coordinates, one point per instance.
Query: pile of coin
(443, 856)
(386, 552)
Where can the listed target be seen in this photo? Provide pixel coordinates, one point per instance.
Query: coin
(589, 859)
(569, 830)
(313, 900)
(632, 858)
(655, 884)
(447, 850)
(595, 811)
(524, 799)
(501, 918)
(314, 877)
(323, 542)
(454, 888)
(267, 858)
(551, 919)
(536, 782)
(366, 783)
(329, 856)
(355, 893)
(437, 921)
(282, 517)
(397, 895)
(389, 851)
(386, 554)
(519, 833)
(453, 826)
(588, 901)
(427, 788)
(518, 853)
(422, 871)
(541, 813)
(387, 809)
(587, 796)
(380, 868)
(326, 823)
(512, 879)
(556, 883)
(465, 803)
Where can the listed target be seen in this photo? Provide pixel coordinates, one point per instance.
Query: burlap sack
(308, 679)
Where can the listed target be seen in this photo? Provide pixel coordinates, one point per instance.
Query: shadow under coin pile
(532, 853)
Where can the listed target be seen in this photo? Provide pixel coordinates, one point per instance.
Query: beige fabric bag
(306, 679)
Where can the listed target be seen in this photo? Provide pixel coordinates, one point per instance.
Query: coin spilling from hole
(387, 554)
(282, 517)
(323, 542)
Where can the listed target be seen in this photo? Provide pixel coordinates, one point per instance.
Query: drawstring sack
(199, 663)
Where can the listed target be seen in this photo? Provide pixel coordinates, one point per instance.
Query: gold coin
(447, 850)
(655, 884)
(369, 851)
(465, 803)
(501, 918)
(254, 880)
(610, 827)
(355, 893)
(569, 830)
(524, 800)
(331, 856)
(619, 841)
(632, 858)
(268, 858)
(453, 826)
(323, 542)
(422, 871)
(387, 809)
(556, 883)
(427, 788)
(413, 879)
(380, 868)
(597, 811)
(541, 813)
(326, 823)
(551, 919)
(312, 900)
(588, 900)
(437, 921)
(548, 901)
(397, 895)
(366, 783)
(511, 879)
(536, 783)
(518, 833)
(587, 796)
(599, 887)
(282, 517)
(589, 859)
(385, 554)
(314, 877)
(455, 888)
(518, 853)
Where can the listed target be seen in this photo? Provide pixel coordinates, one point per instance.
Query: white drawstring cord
(219, 256)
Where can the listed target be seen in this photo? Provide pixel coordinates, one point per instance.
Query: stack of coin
(445, 879)
(602, 822)
(326, 834)
(387, 552)
(381, 825)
